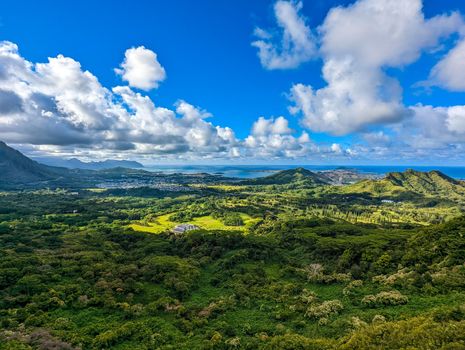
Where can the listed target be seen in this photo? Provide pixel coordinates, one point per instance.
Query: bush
(392, 297)
(325, 309)
(233, 219)
(298, 342)
(413, 333)
(351, 288)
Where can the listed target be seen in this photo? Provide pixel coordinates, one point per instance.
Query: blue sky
(210, 64)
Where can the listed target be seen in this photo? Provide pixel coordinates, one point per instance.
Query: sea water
(253, 171)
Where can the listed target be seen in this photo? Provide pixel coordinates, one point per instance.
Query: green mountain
(75, 163)
(16, 168)
(291, 176)
(429, 184)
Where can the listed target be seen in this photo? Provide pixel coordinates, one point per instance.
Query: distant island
(74, 163)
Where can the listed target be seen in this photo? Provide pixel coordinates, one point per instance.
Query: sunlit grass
(96, 190)
(226, 188)
(163, 223)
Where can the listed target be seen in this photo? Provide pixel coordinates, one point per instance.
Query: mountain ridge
(431, 184)
(74, 163)
(289, 176)
(16, 168)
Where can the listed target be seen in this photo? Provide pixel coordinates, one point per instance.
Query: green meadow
(163, 223)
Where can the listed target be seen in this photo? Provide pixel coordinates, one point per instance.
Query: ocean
(253, 171)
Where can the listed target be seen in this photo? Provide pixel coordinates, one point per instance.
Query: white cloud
(141, 68)
(297, 44)
(431, 134)
(378, 33)
(455, 120)
(60, 108)
(336, 148)
(430, 129)
(358, 43)
(263, 126)
(353, 100)
(377, 138)
(271, 138)
(450, 71)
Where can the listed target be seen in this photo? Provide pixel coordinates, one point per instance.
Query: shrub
(233, 219)
(325, 309)
(378, 319)
(218, 306)
(413, 333)
(313, 270)
(307, 296)
(392, 297)
(332, 278)
(350, 289)
(298, 342)
(456, 313)
(315, 273)
(356, 322)
(114, 336)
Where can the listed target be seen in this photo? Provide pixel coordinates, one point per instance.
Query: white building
(182, 228)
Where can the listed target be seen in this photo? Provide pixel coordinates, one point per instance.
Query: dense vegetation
(290, 266)
(285, 262)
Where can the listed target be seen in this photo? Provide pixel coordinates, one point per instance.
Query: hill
(75, 163)
(428, 184)
(16, 168)
(291, 176)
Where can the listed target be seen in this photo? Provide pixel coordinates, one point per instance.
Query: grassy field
(225, 188)
(163, 224)
(97, 190)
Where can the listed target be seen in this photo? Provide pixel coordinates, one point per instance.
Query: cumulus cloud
(449, 72)
(336, 148)
(379, 33)
(430, 133)
(354, 99)
(357, 43)
(360, 44)
(9, 102)
(377, 138)
(59, 107)
(263, 126)
(141, 68)
(296, 44)
(273, 139)
(455, 120)
(434, 127)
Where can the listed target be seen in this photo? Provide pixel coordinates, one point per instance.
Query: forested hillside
(429, 184)
(15, 168)
(288, 261)
(100, 269)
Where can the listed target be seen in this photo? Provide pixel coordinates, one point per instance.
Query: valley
(294, 260)
(232, 175)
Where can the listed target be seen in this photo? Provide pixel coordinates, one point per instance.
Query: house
(182, 228)
(387, 201)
